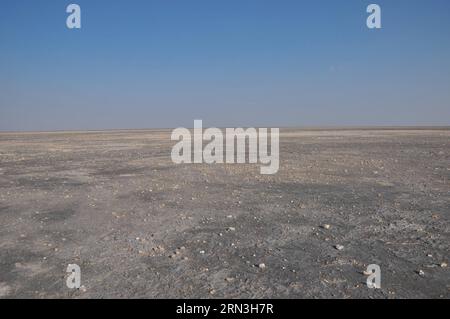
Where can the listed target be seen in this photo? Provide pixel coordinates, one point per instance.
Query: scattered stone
(420, 273)
(229, 279)
(5, 290)
(231, 229)
(202, 252)
(326, 226)
(262, 266)
(367, 273)
(158, 249)
(339, 247)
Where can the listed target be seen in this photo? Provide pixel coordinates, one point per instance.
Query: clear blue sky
(141, 64)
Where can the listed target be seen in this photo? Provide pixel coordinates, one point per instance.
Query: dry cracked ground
(140, 226)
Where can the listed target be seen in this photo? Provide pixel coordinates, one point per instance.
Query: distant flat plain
(140, 226)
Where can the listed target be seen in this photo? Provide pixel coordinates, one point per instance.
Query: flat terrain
(140, 226)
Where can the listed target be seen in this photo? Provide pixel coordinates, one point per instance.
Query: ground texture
(140, 226)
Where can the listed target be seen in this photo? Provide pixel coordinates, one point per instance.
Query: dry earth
(140, 226)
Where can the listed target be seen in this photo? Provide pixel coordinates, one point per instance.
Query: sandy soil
(140, 226)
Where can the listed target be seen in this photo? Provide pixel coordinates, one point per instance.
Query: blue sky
(276, 63)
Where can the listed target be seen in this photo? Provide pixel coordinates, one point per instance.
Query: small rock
(326, 226)
(5, 290)
(262, 266)
(421, 273)
(202, 252)
(444, 265)
(367, 273)
(339, 247)
(231, 229)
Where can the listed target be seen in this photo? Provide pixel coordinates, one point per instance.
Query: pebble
(231, 229)
(202, 252)
(420, 273)
(339, 247)
(444, 265)
(326, 226)
(262, 266)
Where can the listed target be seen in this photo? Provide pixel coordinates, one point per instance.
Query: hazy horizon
(158, 64)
